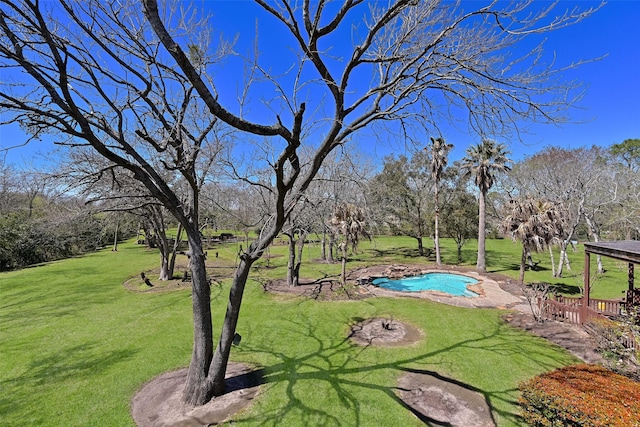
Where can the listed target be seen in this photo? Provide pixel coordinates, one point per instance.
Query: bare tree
(296, 230)
(97, 77)
(562, 175)
(341, 179)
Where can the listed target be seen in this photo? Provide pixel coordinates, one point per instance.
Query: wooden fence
(602, 306)
(562, 312)
(567, 309)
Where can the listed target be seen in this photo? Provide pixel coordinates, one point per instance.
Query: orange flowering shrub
(581, 395)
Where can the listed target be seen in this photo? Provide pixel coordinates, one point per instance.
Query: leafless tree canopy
(134, 84)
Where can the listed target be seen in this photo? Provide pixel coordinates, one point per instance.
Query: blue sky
(608, 113)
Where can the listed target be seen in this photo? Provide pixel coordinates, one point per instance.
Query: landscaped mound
(159, 402)
(581, 395)
(437, 400)
(384, 332)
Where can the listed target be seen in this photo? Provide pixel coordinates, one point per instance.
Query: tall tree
(625, 160)
(130, 82)
(439, 153)
(483, 161)
(401, 196)
(460, 209)
(628, 153)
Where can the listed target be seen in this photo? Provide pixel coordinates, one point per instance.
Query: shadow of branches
(341, 373)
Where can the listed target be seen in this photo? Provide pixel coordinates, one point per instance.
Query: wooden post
(631, 298)
(585, 297)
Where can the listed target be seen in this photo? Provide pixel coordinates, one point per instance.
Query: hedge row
(581, 395)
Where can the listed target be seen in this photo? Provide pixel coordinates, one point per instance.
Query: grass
(75, 345)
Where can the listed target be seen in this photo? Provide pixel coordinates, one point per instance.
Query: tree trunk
(292, 259)
(343, 246)
(565, 243)
(163, 247)
(115, 237)
(218, 368)
(331, 246)
(480, 265)
(199, 387)
(323, 246)
(553, 262)
(420, 246)
(164, 267)
(436, 238)
(174, 252)
(148, 236)
(563, 248)
(596, 237)
(296, 269)
(523, 261)
(567, 262)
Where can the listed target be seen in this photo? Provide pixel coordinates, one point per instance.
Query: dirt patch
(358, 281)
(159, 402)
(323, 290)
(571, 337)
(441, 401)
(217, 271)
(385, 332)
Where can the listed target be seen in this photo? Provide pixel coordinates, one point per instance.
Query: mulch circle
(384, 332)
(159, 402)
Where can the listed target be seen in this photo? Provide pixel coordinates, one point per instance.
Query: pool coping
(491, 295)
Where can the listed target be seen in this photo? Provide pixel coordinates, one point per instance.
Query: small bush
(613, 340)
(581, 395)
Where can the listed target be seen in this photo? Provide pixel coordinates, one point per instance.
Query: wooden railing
(606, 307)
(563, 312)
(568, 300)
(567, 309)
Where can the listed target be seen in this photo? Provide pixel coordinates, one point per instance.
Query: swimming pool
(454, 284)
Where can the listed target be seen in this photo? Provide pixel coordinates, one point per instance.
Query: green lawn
(75, 345)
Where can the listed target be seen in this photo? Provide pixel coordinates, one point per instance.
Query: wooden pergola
(623, 250)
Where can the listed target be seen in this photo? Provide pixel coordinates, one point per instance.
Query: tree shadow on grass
(74, 363)
(396, 253)
(563, 288)
(343, 369)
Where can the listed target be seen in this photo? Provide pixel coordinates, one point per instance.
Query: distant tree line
(595, 190)
(37, 224)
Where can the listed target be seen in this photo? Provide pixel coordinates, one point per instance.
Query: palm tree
(439, 152)
(535, 223)
(483, 161)
(348, 220)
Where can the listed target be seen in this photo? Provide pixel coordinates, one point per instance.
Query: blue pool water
(454, 284)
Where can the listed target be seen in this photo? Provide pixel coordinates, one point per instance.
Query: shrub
(581, 395)
(613, 339)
